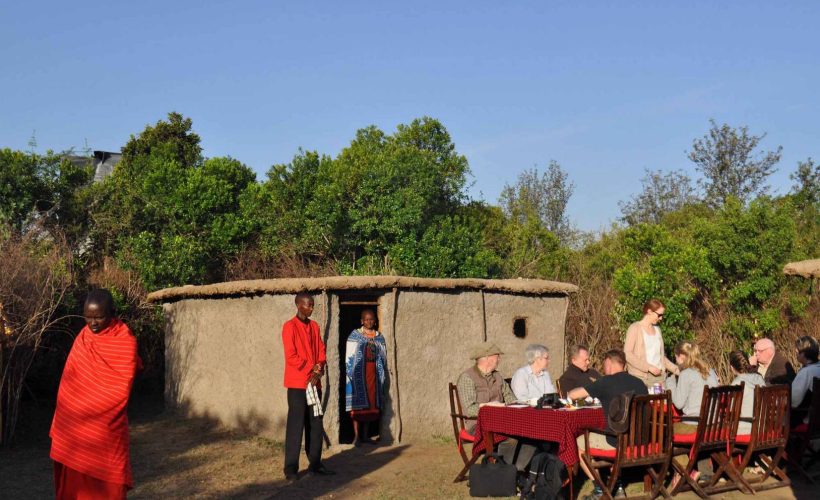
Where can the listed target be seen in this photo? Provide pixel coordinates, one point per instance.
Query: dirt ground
(175, 457)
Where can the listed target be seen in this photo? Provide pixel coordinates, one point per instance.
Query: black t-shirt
(609, 386)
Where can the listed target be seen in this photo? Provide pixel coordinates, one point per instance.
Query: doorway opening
(350, 314)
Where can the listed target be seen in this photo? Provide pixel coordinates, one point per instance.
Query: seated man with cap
(481, 385)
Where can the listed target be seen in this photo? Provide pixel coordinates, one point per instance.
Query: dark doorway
(350, 313)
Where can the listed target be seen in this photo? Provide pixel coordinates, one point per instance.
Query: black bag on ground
(545, 479)
(492, 480)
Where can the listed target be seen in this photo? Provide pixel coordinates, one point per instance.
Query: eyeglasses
(659, 315)
(761, 350)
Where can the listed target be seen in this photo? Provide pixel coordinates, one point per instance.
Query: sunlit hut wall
(224, 357)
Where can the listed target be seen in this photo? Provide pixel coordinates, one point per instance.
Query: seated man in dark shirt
(578, 373)
(614, 382)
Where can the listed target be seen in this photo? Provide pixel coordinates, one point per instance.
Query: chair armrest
(746, 419)
(465, 417)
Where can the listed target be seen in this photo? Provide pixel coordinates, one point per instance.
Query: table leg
(489, 444)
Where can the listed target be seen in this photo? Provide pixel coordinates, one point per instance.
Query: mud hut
(224, 359)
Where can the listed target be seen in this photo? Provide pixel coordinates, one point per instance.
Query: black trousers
(301, 421)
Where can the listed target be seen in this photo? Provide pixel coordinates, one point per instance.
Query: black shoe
(321, 470)
(291, 477)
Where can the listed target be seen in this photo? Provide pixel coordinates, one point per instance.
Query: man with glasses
(772, 365)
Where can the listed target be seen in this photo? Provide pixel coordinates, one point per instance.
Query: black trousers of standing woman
(301, 421)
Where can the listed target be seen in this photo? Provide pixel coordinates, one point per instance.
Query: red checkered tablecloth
(558, 426)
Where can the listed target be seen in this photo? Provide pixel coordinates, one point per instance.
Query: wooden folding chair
(802, 436)
(460, 432)
(766, 443)
(647, 444)
(715, 435)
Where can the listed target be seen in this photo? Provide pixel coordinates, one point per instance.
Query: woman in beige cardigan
(644, 350)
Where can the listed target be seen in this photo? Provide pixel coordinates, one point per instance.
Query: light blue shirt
(802, 382)
(526, 385)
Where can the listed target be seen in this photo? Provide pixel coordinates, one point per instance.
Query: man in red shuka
(305, 361)
(89, 433)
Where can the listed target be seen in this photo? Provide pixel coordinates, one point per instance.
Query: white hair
(535, 351)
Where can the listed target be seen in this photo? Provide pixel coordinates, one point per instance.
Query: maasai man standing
(89, 433)
(305, 361)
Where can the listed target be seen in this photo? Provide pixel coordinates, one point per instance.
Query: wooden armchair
(767, 440)
(646, 444)
(715, 435)
(804, 434)
(460, 432)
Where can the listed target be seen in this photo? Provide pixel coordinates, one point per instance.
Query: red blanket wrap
(89, 432)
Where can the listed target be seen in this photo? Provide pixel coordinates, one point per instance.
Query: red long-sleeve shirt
(304, 349)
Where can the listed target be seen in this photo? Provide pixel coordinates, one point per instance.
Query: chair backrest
(814, 410)
(770, 425)
(455, 409)
(719, 416)
(649, 436)
(558, 388)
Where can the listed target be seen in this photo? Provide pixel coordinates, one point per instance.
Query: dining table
(561, 426)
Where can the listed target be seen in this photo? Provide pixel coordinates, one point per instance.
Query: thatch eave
(805, 268)
(342, 283)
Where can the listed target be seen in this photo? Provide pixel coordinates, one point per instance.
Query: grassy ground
(188, 458)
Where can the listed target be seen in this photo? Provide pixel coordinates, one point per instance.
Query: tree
(807, 182)
(661, 195)
(730, 166)
(543, 196)
(47, 189)
(167, 212)
(362, 208)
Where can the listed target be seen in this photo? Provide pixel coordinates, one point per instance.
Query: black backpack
(546, 478)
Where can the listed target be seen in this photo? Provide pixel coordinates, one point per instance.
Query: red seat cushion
(801, 429)
(466, 436)
(743, 438)
(630, 452)
(601, 453)
(684, 438)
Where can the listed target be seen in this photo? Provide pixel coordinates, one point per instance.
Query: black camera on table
(551, 400)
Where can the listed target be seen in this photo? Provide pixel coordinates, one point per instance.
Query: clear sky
(607, 89)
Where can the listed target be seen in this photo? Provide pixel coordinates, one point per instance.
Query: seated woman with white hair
(532, 381)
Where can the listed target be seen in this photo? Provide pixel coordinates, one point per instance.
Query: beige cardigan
(635, 351)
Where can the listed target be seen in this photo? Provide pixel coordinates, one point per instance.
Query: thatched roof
(294, 285)
(804, 268)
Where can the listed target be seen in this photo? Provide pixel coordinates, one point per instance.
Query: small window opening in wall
(520, 327)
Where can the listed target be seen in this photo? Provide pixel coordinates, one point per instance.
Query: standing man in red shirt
(305, 362)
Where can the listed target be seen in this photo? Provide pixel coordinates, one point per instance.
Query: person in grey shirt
(687, 388)
(748, 375)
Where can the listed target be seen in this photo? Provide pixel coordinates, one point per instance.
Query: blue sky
(607, 89)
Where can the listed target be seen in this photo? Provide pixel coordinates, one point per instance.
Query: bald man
(772, 365)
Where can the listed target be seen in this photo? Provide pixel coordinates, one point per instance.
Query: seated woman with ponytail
(746, 374)
(687, 388)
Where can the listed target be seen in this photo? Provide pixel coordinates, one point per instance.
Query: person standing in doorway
(366, 363)
(305, 361)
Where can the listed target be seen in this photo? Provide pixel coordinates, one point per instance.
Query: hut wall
(224, 359)
(435, 333)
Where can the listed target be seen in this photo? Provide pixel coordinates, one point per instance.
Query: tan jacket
(635, 351)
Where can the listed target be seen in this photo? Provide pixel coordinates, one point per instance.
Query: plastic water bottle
(620, 493)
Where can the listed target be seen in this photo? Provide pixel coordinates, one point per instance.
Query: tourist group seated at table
(642, 367)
